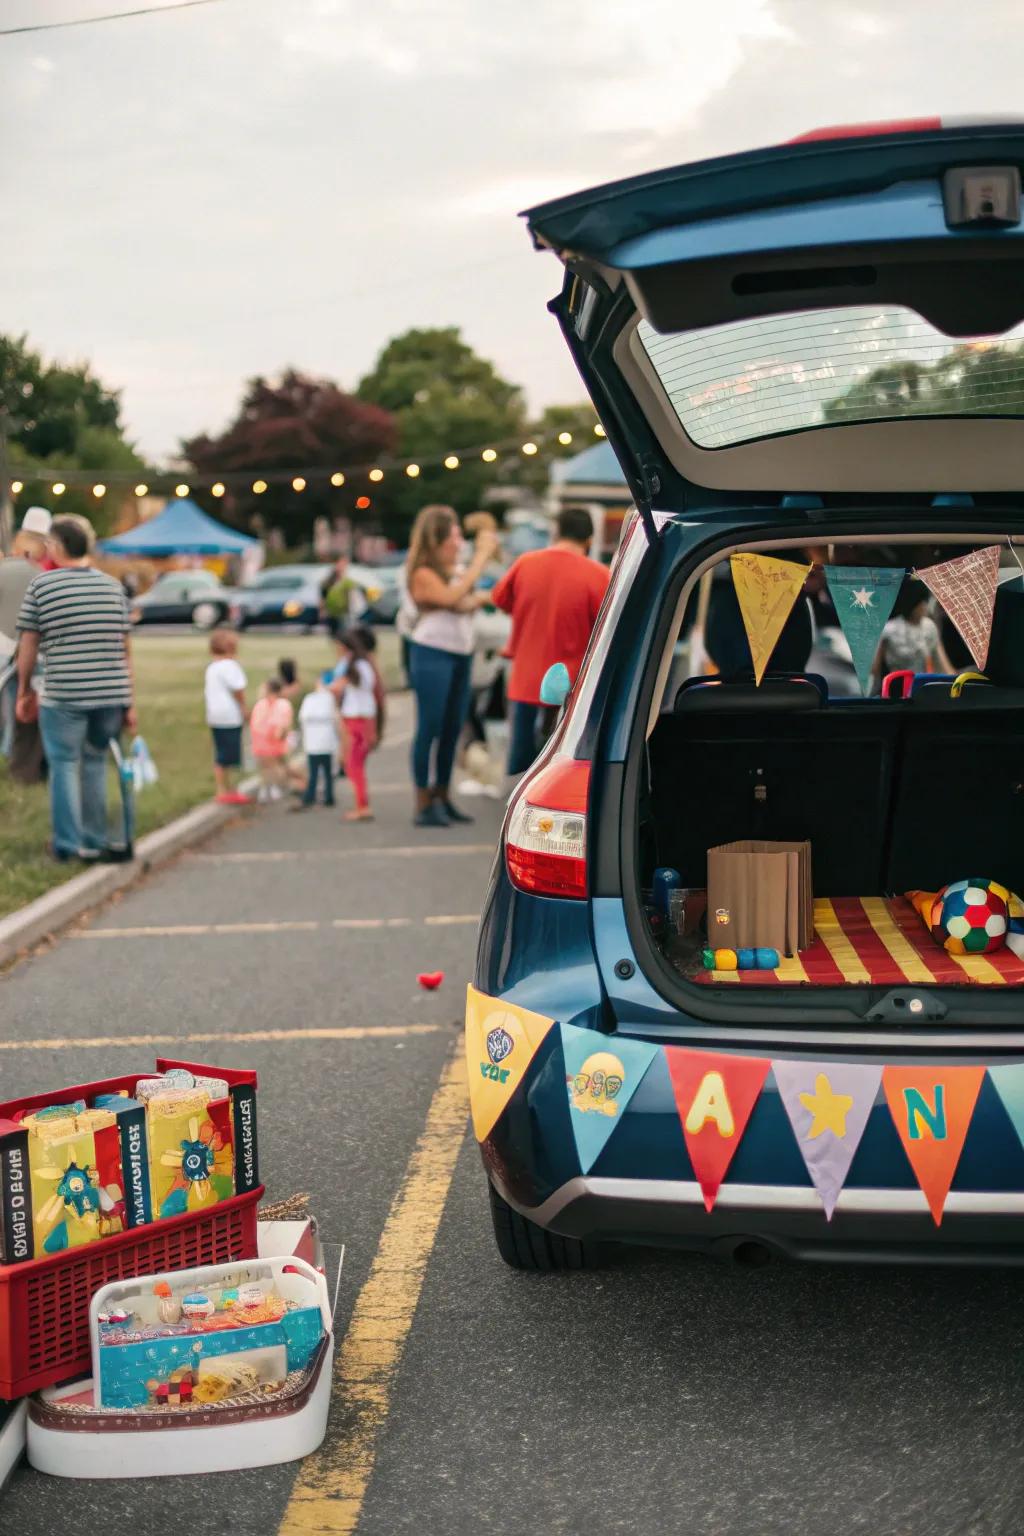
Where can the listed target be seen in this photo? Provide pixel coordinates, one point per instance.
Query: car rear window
(784, 373)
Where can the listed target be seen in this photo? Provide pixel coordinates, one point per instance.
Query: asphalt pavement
(664, 1394)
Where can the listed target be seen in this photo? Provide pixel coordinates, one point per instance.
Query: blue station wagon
(810, 362)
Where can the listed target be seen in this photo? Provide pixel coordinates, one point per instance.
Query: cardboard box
(760, 896)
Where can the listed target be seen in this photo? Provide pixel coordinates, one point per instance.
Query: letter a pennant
(714, 1097)
(602, 1073)
(501, 1041)
(766, 589)
(932, 1108)
(966, 588)
(828, 1104)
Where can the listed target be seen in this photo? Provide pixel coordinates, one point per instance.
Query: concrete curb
(59, 907)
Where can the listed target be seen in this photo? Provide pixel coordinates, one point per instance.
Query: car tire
(524, 1245)
(207, 615)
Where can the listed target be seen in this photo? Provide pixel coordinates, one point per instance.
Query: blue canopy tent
(181, 528)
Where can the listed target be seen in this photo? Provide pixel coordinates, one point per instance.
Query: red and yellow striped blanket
(870, 940)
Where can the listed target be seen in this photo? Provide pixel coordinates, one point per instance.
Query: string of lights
(89, 21)
(219, 482)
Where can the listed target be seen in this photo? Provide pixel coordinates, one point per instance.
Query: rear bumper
(868, 1226)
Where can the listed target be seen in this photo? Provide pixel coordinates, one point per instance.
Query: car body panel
(287, 594)
(173, 596)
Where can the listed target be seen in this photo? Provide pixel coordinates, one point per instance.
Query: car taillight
(546, 840)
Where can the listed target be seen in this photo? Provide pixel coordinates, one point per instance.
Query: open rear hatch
(829, 330)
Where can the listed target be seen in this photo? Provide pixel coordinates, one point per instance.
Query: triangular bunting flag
(931, 1108)
(602, 1073)
(828, 1104)
(501, 1041)
(966, 588)
(864, 597)
(1009, 1084)
(714, 1097)
(766, 589)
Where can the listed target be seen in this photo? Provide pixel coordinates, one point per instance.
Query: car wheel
(524, 1245)
(206, 615)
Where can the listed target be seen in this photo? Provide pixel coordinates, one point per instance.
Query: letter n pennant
(828, 1104)
(932, 1108)
(501, 1041)
(602, 1073)
(714, 1096)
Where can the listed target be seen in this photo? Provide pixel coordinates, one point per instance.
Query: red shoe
(233, 797)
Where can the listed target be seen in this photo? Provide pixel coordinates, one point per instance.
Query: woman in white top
(440, 653)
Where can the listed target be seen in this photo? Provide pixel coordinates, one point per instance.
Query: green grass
(169, 684)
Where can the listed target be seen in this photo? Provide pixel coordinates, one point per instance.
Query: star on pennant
(862, 597)
(827, 1109)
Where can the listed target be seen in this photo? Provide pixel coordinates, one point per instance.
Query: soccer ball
(969, 917)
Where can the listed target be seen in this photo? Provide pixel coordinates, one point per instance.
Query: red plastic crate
(44, 1303)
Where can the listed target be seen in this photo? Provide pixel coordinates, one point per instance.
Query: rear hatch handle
(907, 1005)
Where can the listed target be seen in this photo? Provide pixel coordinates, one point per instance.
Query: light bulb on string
(362, 502)
(16, 487)
(258, 487)
(58, 487)
(99, 490)
(298, 484)
(489, 455)
(529, 449)
(217, 489)
(599, 431)
(412, 470)
(181, 490)
(376, 475)
(337, 478)
(452, 461)
(141, 489)
(565, 438)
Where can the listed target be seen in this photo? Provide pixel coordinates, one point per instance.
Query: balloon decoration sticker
(602, 1073)
(501, 1041)
(966, 588)
(1009, 1084)
(828, 1104)
(714, 1097)
(931, 1108)
(864, 597)
(766, 589)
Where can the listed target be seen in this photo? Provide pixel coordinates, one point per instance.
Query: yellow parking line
(244, 1037)
(328, 1494)
(425, 850)
(198, 930)
(444, 922)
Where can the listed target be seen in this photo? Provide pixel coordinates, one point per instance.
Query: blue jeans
(440, 681)
(318, 763)
(530, 725)
(8, 694)
(75, 742)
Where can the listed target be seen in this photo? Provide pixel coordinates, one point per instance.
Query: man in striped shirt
(76, 619)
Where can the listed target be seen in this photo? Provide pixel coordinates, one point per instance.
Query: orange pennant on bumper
(931, 1108)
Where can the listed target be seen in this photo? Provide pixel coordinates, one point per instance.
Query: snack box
(92, 1160)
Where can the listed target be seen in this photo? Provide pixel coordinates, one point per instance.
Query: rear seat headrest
(792, 694)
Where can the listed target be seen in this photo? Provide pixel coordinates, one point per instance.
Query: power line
(88, 21)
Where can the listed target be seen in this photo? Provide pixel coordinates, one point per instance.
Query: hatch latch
(981, 195)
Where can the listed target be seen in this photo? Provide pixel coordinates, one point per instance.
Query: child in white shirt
(225, 714)
(318, 722)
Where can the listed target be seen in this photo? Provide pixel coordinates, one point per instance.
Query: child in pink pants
(357, 693)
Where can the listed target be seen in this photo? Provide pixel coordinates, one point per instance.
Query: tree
(62, 418)
(296, 421)
(981, 377)
(446, 400)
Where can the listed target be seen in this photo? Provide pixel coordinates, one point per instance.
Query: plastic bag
(144, 769)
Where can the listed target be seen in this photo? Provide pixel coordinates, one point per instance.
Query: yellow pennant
(501, 1041)
(766, 589)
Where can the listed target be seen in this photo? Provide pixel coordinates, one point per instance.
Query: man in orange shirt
(553, 596)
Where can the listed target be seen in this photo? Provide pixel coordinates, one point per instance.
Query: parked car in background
(379, 585)
(284, 594)
(183, 597)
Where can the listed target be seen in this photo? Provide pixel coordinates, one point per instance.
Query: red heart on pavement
(430, 979)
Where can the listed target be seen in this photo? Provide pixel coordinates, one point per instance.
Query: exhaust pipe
(746, 1252)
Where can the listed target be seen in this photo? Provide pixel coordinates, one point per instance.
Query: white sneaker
(470, 787)
(262, 795)
(276, 792)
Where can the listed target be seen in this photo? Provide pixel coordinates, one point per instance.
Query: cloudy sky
(195, 197)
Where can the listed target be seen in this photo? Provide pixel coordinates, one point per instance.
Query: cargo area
(894, 794)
